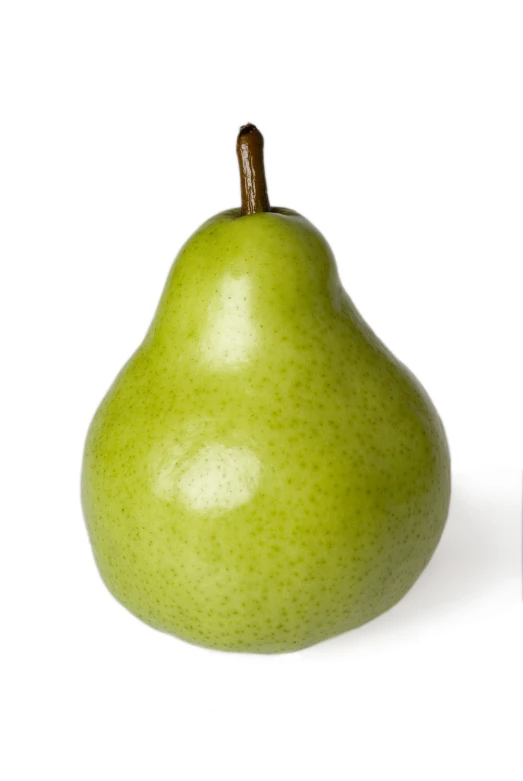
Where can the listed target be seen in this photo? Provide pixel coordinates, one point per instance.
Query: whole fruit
(263, 474)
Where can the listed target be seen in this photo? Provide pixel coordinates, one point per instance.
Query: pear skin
(263, 474)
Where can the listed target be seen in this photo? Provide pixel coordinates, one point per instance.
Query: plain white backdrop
(397, 129)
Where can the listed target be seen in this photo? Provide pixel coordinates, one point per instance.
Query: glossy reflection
(215, 478)
(230, 334)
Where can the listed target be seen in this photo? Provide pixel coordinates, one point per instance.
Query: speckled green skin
(263, 473)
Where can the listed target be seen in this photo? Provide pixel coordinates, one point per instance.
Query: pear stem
(249, 149)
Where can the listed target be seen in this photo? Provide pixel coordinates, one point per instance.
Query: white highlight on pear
(215, 478)
(230, 333)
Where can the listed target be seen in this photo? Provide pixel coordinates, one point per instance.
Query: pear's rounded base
(297, 639)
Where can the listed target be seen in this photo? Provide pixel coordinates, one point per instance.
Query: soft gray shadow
(480, 548)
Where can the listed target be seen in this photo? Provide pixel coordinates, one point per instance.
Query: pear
(263, 474)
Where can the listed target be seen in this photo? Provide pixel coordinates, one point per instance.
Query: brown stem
(249, 149)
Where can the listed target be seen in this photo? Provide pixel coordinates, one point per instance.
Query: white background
(397, 128)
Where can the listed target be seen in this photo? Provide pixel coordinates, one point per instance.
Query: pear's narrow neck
(249, 149)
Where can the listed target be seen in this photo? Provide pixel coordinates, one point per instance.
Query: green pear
(263, 474)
